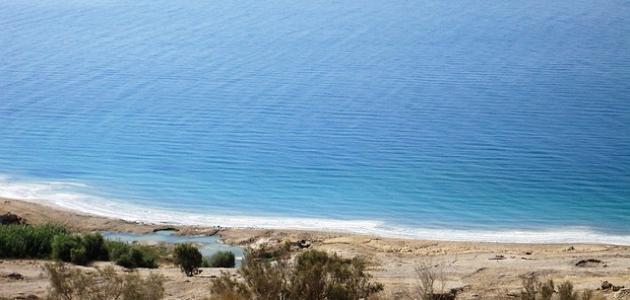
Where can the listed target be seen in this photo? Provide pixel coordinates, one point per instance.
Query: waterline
(60, 194)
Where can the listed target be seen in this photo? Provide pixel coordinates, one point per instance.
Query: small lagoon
(207, 245)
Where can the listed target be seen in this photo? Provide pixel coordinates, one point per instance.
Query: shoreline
(68, 196)
(160, 217)
(78, 221)
(480, 268)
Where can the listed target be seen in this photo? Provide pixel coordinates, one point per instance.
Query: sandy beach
(479, 270)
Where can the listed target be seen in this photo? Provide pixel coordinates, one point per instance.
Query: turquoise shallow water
(481, 120)
(207, 245)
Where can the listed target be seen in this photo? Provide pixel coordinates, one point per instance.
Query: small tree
(188, 258)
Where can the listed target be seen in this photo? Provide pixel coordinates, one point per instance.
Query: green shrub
(46, 241)
(188, 258)
(94, 246)
(79, 250)
(221, 259)
(313, 275)
(25, 241)
(131, 256)
(135, 258)
(62, 246)
(116, 249)
(78, 256)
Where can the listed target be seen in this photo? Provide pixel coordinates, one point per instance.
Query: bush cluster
(533, 289)
(221, 259)
(67, 283)
(131, 256)
(53, 241)
(313, 275)
(78, 249)
(24, 241)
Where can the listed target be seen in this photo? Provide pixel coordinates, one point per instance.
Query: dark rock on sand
(606, 285)
(29, 297)
(302, 244)
(9, 219)
(445, 296)
(14, 276)
(591, 262)
(166, 229)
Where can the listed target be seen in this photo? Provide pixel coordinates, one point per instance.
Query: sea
(498, 121)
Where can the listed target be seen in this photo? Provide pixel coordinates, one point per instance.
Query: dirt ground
(479, 270)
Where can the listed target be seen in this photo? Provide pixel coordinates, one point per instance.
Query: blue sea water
(487, 120)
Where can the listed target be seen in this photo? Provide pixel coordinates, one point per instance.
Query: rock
(14, 276)
(591, 262)
(457, 290)
(166, 229)
(445, 296)
(9, 219)
(497, 257)
(616, 288)
(302, 244)
(29, 297)
(451, 295)
(609, 286)
(529, 252)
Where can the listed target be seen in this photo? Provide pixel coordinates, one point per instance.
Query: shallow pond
(208, 245)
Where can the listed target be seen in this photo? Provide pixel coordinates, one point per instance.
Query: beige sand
(484, 270)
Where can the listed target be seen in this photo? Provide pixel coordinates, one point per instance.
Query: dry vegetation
(69, 283)
(312, 274)
(464, 270)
